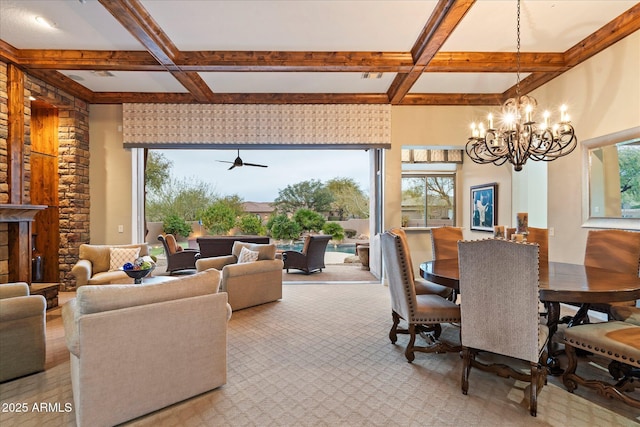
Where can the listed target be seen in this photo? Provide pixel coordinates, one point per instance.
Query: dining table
(558, 283)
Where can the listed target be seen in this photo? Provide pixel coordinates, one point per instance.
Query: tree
(349, 201)
(182, 198)
(281, 227)
(304, 195)
(251, 224)
(219, 217)
(157, 172)
(308, 220)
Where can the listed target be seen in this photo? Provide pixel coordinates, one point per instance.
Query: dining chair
(423, 286)
(541, 237)
(422, 313)
(499, 315)
(444, 241)
(616, 250)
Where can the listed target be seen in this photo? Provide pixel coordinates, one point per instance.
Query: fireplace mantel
(19, 213)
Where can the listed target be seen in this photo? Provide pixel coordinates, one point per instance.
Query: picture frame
(484, 207)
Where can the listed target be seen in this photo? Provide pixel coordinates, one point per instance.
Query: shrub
(219, 218)
(176, 225)
(334, 229)
(283, 228)
(251, 224)
(309, 220)
(350, 233)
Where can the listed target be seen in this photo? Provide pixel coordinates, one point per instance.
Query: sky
(285, 167)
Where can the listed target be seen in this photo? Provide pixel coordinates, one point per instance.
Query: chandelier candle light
(518, 137)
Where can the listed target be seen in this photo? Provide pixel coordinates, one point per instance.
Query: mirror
(612, 177)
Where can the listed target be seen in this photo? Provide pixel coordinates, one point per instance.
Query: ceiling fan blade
(223, 161)
(232, 166)
(255, 164)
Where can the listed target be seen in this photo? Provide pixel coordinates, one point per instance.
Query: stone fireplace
(72, 168)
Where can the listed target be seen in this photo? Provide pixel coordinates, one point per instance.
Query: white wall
(603, 95)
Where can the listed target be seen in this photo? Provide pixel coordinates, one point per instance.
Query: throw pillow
(121, 256)
(247, 256)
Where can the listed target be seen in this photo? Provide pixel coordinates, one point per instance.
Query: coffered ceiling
(428, 52)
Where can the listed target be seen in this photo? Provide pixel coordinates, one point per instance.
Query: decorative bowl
(137, 275)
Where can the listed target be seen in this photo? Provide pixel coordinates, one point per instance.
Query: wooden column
(15, 137)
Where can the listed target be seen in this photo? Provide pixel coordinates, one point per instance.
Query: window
(428, 200)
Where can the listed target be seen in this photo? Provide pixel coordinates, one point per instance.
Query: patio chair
(311, 258)
(177, 257)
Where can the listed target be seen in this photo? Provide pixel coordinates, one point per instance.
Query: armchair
(249, 283)
(22, 331)
(177, 257)
(500, 310)
(311, 258)
(136, 349)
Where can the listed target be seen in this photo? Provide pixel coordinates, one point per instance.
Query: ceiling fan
(238, 162)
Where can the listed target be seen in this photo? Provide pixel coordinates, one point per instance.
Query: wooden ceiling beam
(244, 98)
(59, 80)
(495, 62)
(452, 99)
(135, 19)
(444, 19)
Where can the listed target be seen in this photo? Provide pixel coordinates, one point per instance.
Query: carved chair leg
(409, 354)
(466, 368)
(569, 383)
(536, 371)
(393, 333)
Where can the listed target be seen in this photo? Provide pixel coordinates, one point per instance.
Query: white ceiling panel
(465, 82)
(292, 25)
(75, 26)
(127, 81)
(545, 26)
(296, 82)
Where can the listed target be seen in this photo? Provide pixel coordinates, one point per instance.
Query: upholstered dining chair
(499, 314)
(616, 250)
(423, 286)
(177, 257)
(541, 237)
(444, 241)
(420, 312)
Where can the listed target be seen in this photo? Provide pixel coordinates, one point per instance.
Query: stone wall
(73, 169)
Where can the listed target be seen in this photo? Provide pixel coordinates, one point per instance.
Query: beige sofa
(93, 264)
(139, 348)
(248, 284)
(22, 331)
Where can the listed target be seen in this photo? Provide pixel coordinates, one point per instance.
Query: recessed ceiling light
(371, 76)
(45, 22)
(32, 98)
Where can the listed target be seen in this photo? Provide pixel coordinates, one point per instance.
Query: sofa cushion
(94, 299)
(264, 251)
(247, 255)
(120, 256)
(99, 255)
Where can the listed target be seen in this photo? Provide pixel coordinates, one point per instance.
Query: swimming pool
(349, 248)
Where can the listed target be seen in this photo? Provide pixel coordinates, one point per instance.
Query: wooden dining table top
(558, 282)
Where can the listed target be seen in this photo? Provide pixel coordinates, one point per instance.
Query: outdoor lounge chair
(312, 256)
(177, 257)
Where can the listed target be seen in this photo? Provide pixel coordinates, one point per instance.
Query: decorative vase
(37, 265)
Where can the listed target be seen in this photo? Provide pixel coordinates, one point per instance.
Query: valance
(256, 126)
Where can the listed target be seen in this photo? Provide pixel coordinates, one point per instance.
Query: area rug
(321, 357)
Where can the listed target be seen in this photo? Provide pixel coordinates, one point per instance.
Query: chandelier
(517, 136)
